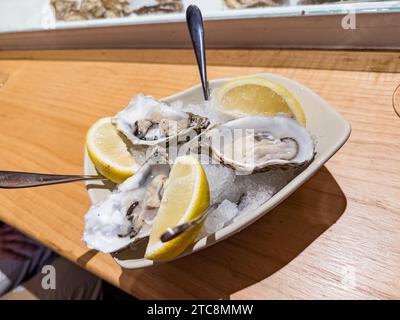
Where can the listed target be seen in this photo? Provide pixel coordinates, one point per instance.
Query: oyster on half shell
(242, 4)
(157, 6)
(126, 215)
(147, 121)
(258, 143)
(73, 10)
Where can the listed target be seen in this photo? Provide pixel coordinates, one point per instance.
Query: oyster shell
(258, 143)
(147, 121)
(242, 4)
(72, 10)
(301, 2)
(127, 215)
(157, 6)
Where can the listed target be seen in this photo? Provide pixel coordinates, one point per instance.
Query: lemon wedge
(257, 96)
(186, 197)
(108, 152)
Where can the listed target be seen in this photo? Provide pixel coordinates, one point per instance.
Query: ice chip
(219, 218)
(259, 188)
(221, 182)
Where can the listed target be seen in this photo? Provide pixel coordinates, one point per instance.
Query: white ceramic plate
(329, 128)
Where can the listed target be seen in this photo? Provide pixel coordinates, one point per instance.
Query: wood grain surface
(337, 237)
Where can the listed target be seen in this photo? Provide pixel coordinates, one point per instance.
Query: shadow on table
(255, 253)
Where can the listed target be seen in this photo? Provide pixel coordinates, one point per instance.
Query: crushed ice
(239, 195)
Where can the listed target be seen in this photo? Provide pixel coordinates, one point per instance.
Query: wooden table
(338, 236)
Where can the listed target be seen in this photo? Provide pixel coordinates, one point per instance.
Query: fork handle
(15, 180)
(176, 231)
(195, 24)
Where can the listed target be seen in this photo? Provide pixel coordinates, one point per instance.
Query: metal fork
(16, 180)
(174, 232)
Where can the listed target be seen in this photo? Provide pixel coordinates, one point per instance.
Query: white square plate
(329, 128)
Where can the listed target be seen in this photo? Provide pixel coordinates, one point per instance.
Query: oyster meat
(141, 7)
(127, 215)
(243, 4)
(72, 10)
(147, 121)
(301, 2)
(258, 143)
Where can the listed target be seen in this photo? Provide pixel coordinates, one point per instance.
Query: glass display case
(160, 23)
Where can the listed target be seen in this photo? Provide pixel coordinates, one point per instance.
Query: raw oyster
(258, 143)
(157, 6)
(242, 4)
(147, 121)
(301, 2)
(127, 215)
(66, 10)
(72, 10)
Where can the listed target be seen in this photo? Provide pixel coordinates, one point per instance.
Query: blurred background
(53, 24)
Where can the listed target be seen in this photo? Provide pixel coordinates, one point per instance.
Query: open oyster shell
(127, 215)
(258, 143)
(71, 10)
(141, 7)
(147, 121)
(242, 4)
